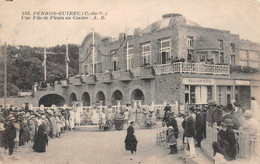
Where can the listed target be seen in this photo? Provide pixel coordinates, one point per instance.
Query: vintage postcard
(142, 82)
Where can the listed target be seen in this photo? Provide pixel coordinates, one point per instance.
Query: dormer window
(232, 47)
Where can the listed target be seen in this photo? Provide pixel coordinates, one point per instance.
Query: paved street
(99, 147)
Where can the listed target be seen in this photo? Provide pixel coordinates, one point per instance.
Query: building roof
(167, 21)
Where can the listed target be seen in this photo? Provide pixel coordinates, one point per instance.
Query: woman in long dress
(130, 140)
(41, 139)
(71, 119)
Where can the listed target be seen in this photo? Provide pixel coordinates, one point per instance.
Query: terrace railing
(248, 142)
(196, 68)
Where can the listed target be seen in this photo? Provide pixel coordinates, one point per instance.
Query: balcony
(90, 79)
(104, 77)
(195, 68)
(122, 75)
(76, 81)
(136, 72)
(116, 75)
(125, 76)
(147, 73)
(64, 83)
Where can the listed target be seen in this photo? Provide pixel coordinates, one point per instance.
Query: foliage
(25, 66)
(243, 69)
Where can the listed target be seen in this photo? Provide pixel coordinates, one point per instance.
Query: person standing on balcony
(189, 133)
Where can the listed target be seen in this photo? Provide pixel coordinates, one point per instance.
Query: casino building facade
(173, 59)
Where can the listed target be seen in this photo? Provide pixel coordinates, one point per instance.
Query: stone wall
(168, 88)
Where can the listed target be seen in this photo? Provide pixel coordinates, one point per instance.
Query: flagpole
(44, 62)
(127, 62)
(5, 74)
(67, 58)
(93, 50)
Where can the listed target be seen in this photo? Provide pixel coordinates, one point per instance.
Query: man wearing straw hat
(10, 135)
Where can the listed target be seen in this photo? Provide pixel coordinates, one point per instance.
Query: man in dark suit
(190, 133)
(199, 127)
(167, 110)
(10, 134)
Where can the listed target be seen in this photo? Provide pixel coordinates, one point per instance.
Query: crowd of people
(25, 128)
(227, 118)
(176, 60)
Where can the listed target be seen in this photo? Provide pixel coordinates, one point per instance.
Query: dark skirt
(41, 140)
(130, 143)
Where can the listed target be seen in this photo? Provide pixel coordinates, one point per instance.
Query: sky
(238, 16)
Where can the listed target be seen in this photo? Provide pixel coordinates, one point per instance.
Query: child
(171, 140)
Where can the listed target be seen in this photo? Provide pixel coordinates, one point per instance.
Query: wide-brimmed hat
(227, 122)
(248, 113)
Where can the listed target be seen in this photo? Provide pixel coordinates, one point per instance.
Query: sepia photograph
(129, 81)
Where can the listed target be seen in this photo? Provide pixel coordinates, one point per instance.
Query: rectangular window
(190, 55)
(221, 58)
(209, 93)
(115, 64)
(187, 94)
(220, 42)
(165, 50)
(219, 95)
(86, 69)
(228, 99)
(192, 95)
(130, 56)
(146, 53)
(190, 41)
(131, 50)
(203, 57)
(233, 60)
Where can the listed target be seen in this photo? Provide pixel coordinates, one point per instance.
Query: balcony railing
(104, 77)
(196, 68)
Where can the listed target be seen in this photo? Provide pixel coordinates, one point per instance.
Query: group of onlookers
(21, 127)
(176, 60)
(228, 119)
